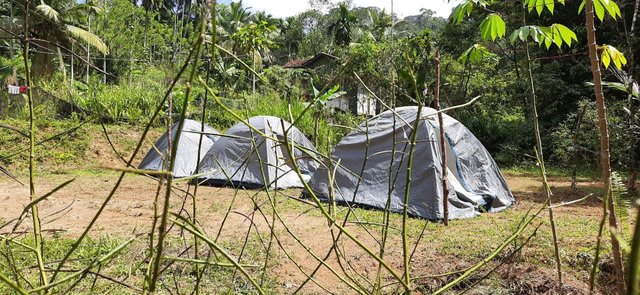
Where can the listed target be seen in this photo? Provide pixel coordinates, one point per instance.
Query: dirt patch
(441, 250)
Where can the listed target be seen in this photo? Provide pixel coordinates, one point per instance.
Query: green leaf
(88, 37)
(48, 11)
(615, 85)
(609, 54)
(461, 10)
(476, 53)
(549, 4)
(555, 34)
(525, 32)
(531, 4)
(606, 59)
(597, 6)
(492, 27)
(540, 5)
(611, 7)
(566, 34)
(547, 37)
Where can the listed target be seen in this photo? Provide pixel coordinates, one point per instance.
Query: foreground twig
(527, 220)
(32, 147)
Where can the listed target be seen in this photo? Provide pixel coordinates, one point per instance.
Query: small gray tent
(378, 151)
(187, 155)
(243, 157)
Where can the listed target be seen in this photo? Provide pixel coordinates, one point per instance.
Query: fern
(621, 206)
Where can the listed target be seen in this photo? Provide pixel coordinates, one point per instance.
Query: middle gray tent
(243, 157)
(370, 167)
(187, 156)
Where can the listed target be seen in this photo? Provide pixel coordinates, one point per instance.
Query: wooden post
(443, 146)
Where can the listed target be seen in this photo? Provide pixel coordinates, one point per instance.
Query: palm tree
(380, 22)
(343, 26)
(262, 16)
(291, 34)
(232, 17)
(57, 25)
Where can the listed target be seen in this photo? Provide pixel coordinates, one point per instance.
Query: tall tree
(291, 35)
(380, 23)
(342, 27)
(57, 24)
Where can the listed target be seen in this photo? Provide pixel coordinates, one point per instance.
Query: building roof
(311, 62)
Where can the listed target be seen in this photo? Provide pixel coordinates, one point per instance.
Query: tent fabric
(187, 154)
(378, 151)
(244, 158)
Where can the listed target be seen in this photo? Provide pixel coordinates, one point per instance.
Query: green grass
(582, 174)
(129, 267)
(443, 249)
(466, 241)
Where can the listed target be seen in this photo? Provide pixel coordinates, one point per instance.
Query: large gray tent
(187, 154)
(378, 151)
(243, 157)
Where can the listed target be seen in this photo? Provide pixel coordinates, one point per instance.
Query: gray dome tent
(187, 156)
(236, 161)
(474, 178)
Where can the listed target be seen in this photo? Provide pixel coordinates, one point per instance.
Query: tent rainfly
(243, 157)
(187, 155)
(372, 168)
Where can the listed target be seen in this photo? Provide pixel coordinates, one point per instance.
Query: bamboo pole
(443, 147)
(605, 156)
(37, 234)
(540, 159)
(172, 160)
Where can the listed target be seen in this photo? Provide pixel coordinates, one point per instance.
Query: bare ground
(441, 249)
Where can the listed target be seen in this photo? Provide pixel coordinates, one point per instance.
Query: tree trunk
(61, 64)
(633, 147)
(42, 63)
(88, 49)
(605, 156)
(11, 53)
(633, 160)
(574, 142)
(71, 82)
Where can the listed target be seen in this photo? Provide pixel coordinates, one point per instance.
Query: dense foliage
(144, 42)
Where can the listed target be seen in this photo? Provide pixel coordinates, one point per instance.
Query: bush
(129, 102)
(589, 138)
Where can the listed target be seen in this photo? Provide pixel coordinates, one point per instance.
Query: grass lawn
(244, 224)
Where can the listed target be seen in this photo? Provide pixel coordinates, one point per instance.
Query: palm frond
(83, 8)
(48, 11)
(88, 37)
